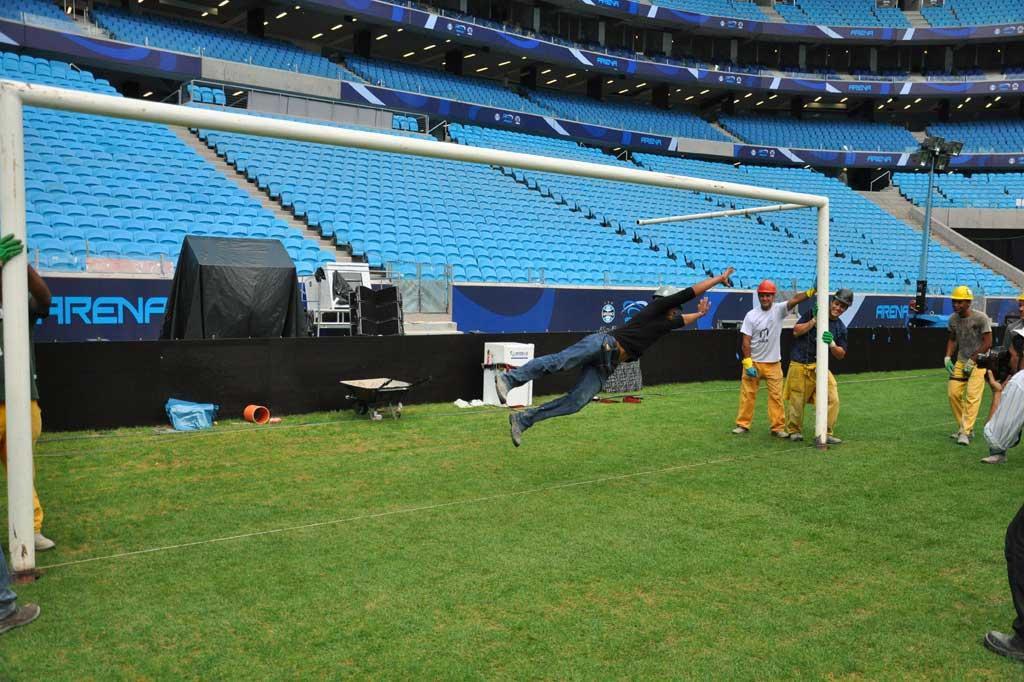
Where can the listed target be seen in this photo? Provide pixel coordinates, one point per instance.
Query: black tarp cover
(233, 288)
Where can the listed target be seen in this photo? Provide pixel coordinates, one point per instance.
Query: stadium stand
(441, 84)
(399, 211)
(842, 13)
(109, 188)
(628, 116)
(37, 12)
(740, 9)
(879, 253)
(1006, 135)
(974, 13)
(952, 190)
(819, 134)
(187, 36)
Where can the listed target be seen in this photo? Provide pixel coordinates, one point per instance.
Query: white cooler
(498, 356)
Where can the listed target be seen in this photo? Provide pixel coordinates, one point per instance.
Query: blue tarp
(186, 416)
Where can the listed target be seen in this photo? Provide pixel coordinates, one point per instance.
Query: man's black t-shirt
(651, 323)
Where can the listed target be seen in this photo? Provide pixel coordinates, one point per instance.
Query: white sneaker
(780, 434)
(994, 459)
(796, 436)
(740, 429)
(832, 440)
(44, 543)
(963, 439)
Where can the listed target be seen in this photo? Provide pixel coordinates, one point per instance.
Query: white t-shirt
(764, 327)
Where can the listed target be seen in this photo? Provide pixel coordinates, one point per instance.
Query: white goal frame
(15, 95)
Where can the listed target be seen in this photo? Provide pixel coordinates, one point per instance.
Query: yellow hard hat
(1020, 296)
(962, 293)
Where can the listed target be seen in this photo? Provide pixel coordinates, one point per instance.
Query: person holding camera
(1002, 432)
(801, 379)
(970, 334)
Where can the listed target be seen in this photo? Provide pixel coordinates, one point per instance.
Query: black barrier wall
(104, 385)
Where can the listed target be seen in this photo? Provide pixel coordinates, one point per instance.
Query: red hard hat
(766, 287)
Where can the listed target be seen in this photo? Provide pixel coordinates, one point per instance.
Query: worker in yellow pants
(772, 373)
(762, 357)
(965, 391)
(37, 428)
(970, 334)
(802, 379)
(801, 382)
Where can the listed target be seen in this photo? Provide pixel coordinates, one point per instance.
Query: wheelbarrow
(371, 396)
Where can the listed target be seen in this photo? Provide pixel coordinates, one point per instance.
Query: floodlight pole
(17, 383)
(821, 326)
(926, 230)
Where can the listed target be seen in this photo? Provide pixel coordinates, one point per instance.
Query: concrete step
(916, 19)
(210, 156)
(421, 324)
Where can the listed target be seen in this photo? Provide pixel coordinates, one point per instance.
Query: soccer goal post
(14, 95)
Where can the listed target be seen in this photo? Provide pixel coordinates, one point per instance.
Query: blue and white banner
(87, 309)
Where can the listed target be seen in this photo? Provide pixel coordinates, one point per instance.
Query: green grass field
(628, 541)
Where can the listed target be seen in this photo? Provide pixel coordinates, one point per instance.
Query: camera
(997, 362)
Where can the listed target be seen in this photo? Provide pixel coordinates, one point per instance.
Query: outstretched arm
(702, 309)
(800, 298)
(724, 278)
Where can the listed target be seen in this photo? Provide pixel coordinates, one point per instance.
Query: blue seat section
(981, 190)
(1006, 135)
(740, 9)
(843, 13)
(441, 84)
(628, 116)
(98, 186)
(38, 12)
(205, 95)
(974, 13)
(874, 251)
(819, 134)
(187, 36)
(409, 123)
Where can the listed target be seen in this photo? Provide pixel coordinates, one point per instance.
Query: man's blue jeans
(7, 597)
(597, 355)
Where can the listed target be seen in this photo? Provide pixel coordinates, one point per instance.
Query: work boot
(963, 439)
(994, 459)
(832, 440)
(796, 436)
(1011, 646)
(501, 387)
(23, 616)
(780, 434)
(44, 543)
(740, 429)
(515, 429)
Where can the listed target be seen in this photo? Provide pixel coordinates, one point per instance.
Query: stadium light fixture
(482, 69)
(429, 47)
(147, 94)
(689, 98)
(282, 15)
(817, 99)
(571, 75)
(266, 23)
(552, 81)
(623, 91)
(237, 93)
(960, 106)
(382, 36)
(704, 92)
(408, 54)
(610, 81)
(505, 63)
(545, 72)
(399, 29)
(889, 101)
(223, 3)
(998, 97)
(843, 100)
(335, 28)
(907, 107)
(935, 152)
(772, 97)
(968, 100)
(881, 106)
(642, 84)
(736, 101)
(989, 105)
(317, 35)
(917, 101)
(469, 56)
(760, 102)
(204, 14)
(749, 94)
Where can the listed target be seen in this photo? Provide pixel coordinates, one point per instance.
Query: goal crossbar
(15, 95)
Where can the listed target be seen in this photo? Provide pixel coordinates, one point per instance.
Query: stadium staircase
(769, 11)
(192, 140)
(916, 19)
(892, 202)
(725, 132)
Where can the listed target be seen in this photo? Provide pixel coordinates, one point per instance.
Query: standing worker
(762, 357)
(970, 333)
(801, 379)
